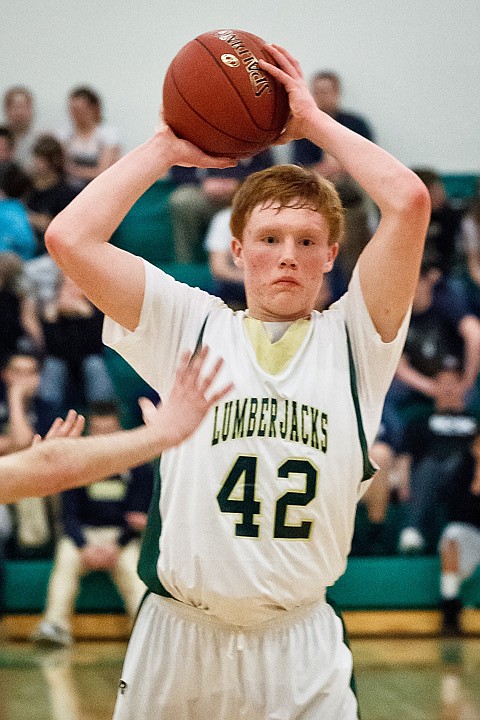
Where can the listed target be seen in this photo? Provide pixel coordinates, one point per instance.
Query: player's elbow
(415, 199)
(59, 240)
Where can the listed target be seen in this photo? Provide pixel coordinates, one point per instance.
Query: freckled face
(284, 254)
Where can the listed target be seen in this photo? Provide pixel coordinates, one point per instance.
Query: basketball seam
(234, 88)
(207, 120)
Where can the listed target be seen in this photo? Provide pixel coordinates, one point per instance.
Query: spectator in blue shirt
(327, 91)
(16, 234)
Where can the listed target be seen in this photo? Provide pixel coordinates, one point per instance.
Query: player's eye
(270, 239)
(306, 242)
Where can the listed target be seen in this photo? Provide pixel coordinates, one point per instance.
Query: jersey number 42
(242, 477)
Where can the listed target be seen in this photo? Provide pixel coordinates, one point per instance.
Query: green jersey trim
(150, 550)
(368, 469)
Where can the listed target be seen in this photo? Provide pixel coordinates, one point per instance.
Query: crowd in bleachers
(52, 356)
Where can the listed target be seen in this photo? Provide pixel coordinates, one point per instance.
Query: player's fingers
(77, 427)
(183, 366)
(209, 379)
(196, 364)
(284, 64)
(68, 423)
(149, 411)
(276, 72)
(281, 54)
(54, 429)
(212, 161)
(216, 397)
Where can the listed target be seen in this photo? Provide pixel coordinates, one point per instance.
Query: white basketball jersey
(256, 509)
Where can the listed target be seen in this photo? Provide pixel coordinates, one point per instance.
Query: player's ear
(332, 252)
(237, 251)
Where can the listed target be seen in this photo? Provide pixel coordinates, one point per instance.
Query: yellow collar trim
(273, 357)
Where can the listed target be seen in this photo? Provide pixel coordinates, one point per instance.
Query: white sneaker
(410, 541)
(48, 634)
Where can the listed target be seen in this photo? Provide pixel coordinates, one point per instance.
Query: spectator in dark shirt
(74, 362)
(326, 90)
(51, 192)
(440, 450)
(445, 223)
(7, 149)
(101, 526)
(443, 334)
(460, 541)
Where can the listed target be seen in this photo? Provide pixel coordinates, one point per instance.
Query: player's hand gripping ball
(216, 96)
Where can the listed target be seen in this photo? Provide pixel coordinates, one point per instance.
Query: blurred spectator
(5, 531)
(460, 541)
(74, 364)
(471, 238)
(51, 192)
(21, 411)
(7, 149)
(90, 144)
(102, 525)
(326, 89)
(20, 377)
(16, 234)
(17, 328)
(443, 236)
(442, 335)
(440, 448)
(227, 277)
(192, 205)
(19, 114)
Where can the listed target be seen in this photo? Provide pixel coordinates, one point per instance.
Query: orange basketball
(216, 96)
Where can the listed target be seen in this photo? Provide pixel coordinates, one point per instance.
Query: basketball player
(64, 463)
(256, 511)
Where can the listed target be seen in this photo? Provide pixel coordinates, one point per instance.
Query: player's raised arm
(77, 238)
(65, 461)
(390, 263)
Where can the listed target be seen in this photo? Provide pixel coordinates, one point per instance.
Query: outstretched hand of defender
(189, 401)
(71, 427)
(302, 104)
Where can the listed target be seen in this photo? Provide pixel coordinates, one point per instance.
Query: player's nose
(288, 254)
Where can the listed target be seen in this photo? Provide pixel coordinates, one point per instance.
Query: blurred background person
(471, 240)
(19, 117)
(51, 191)
(91, 145)
(7, 149)
(16, 234)
(227, 277)
(199, 196)
(101, 529)
(326, 87)
(74, 369)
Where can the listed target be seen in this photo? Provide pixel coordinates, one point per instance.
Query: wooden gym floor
(421, 677)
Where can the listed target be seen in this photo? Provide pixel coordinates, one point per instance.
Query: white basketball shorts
(182, 664)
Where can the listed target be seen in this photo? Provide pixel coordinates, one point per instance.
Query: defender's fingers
(219, 395)
(208, 380)
(54, 428)
(68, 423)
(149, 411)
(78, 426)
